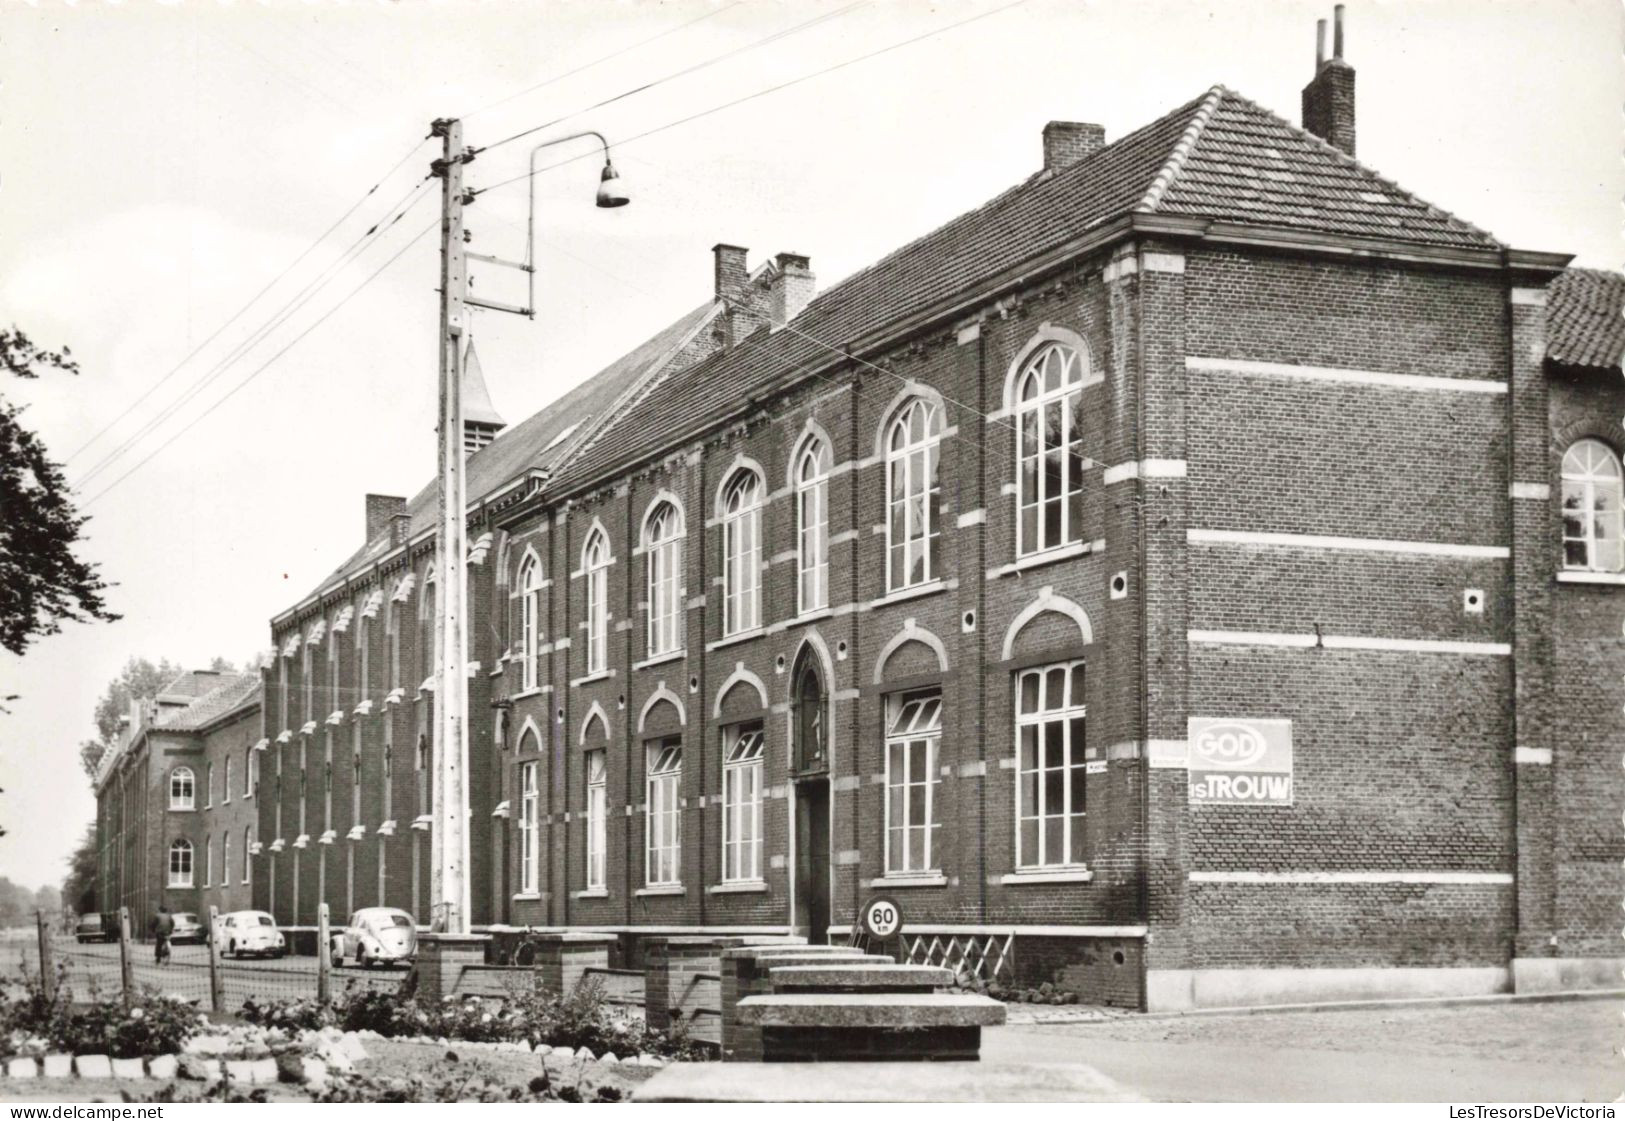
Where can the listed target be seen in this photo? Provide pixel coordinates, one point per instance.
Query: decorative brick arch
(597, 527)
(596, 712)
(911, 389)
(911, 632)
(810, 432)
(1047, 600)
(662, 693)
(1049, 333)
(529, 728)
(739, 676)
(667, 497)
(741, 462)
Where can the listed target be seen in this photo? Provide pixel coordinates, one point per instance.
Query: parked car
(376, 935)
(96, 928)
(187, 929)
(239, 933)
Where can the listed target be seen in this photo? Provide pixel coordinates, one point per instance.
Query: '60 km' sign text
(1240, 762)
(882, 918)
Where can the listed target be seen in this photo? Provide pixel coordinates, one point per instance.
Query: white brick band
(1538, 491)
(1340, 374)
(1362, 544)
(1144, 469)
(1373, 877)
(1537, 756)
(1346, 642)
(1529, 297)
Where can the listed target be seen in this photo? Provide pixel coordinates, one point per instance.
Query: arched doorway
(809, 767)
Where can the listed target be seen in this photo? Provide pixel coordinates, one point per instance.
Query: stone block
(240, 1070)
(129, 1068)
(313, 1072)
(22, 1068)
(262, 1071)
(93, 1066)
(860, 976)
(58, 1066)
(870, 1010)
(162, 1066)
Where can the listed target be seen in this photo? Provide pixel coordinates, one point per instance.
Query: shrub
(307, 1014)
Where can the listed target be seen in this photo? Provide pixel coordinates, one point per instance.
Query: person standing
(163, 927)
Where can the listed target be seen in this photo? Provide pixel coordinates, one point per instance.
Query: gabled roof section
(1241, 163)
(1585, 319)
(1219, 156)
(548, 437)
(233, 693)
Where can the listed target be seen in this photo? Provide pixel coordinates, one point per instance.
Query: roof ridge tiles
(1181, 152)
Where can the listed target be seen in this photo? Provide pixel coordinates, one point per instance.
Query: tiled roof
(544, 438)
(1220, 157)
(1585, 318)
(234, 691)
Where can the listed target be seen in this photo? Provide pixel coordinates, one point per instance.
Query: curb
(1564, 997)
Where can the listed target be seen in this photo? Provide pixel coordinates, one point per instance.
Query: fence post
(126, 968)
(217, 984)
(324, 956)
(47, 975)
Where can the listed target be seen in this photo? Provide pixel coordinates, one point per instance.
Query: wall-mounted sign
(1240, 762)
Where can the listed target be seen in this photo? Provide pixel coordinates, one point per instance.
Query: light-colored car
(239, 933)
(376, 935)
(96, 928)
(187, 929)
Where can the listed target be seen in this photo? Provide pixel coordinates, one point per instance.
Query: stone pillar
(563, 957)
(671, 965)
(441, 960)
(745, 973)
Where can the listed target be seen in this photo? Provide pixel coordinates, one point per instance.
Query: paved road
(1512, 1052)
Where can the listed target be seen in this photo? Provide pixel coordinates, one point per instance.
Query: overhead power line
(150, 390)
(604, 58)
(93, 499)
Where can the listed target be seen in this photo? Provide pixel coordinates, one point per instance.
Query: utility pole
(448, 837)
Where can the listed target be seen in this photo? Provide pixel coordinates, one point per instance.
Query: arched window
(392, 635)
(810, 752)
(208, 785)
(742, 552)
(426, 618)
(182, 789)
(248, 771)
(812, 527)
(663, 545)
(225, 859)
(1591, 508)
(911, 495)
(355, 774)
(363, 650)
(595, 567)
(1049, 457)
(225, 789)
(530, 583)
(208, 861)
(180, 863)
(248, 845)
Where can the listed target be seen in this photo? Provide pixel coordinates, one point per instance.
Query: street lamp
(611, 194)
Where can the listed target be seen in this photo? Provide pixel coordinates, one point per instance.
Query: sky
(164, 163)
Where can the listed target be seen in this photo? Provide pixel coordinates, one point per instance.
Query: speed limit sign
(882, 917)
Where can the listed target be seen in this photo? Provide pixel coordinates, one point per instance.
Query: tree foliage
(79, 887)
(42, 582)
(140, 680)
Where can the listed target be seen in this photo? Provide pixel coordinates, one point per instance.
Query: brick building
(1171, 573)
(175, 815)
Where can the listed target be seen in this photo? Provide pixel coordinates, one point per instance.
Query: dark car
(96, 928)
(187, 929)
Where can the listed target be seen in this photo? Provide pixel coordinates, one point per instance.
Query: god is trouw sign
(1240, 762)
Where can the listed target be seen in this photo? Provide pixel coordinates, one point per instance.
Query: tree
(139, 680)
(79, 888)
(42, 582)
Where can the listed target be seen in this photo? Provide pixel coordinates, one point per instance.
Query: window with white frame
(363, 651)
(392, 638)
(225, 789)
(742, 552)
(307, 679)
(389, 769)
(1049, 454)
(1050, 766)
(663, 548)
(182, 789)
(208, 785)
(663, 813)
(1592, 536)
(812, 527)
(427, 613)
(251, 771)
(208, 861)
(355, 773)
(597, 819)
(225, 859)
(742, 803)
(595, 568)
(248, 848)
(912, 450)
(913, 736)
(530, 829)
(180, 863)
(530, 583)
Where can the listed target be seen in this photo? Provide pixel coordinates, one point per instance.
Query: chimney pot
(1337, 31)
(380, 508)
(1067, 142)
(1320, 44)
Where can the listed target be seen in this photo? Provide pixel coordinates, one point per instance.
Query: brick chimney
(790, 288)
(400, 526)
(747, 303)
(380, 508)
(1328, 100)
(1067, 142)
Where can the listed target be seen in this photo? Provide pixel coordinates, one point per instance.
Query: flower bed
(34, 1025)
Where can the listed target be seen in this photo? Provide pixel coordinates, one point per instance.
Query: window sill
(936, 880)
(1057, 876)
(660, 659)
(662, 889)
(534, 691)
(739, 887)
(806, 617)
(1585, 576)
(1049, 556)
(741, 636)
(596, 675)
(926, 589)
(591, 893)
(527, 897)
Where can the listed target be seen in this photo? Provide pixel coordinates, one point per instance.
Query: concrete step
(851, 975)
(870, 1010)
